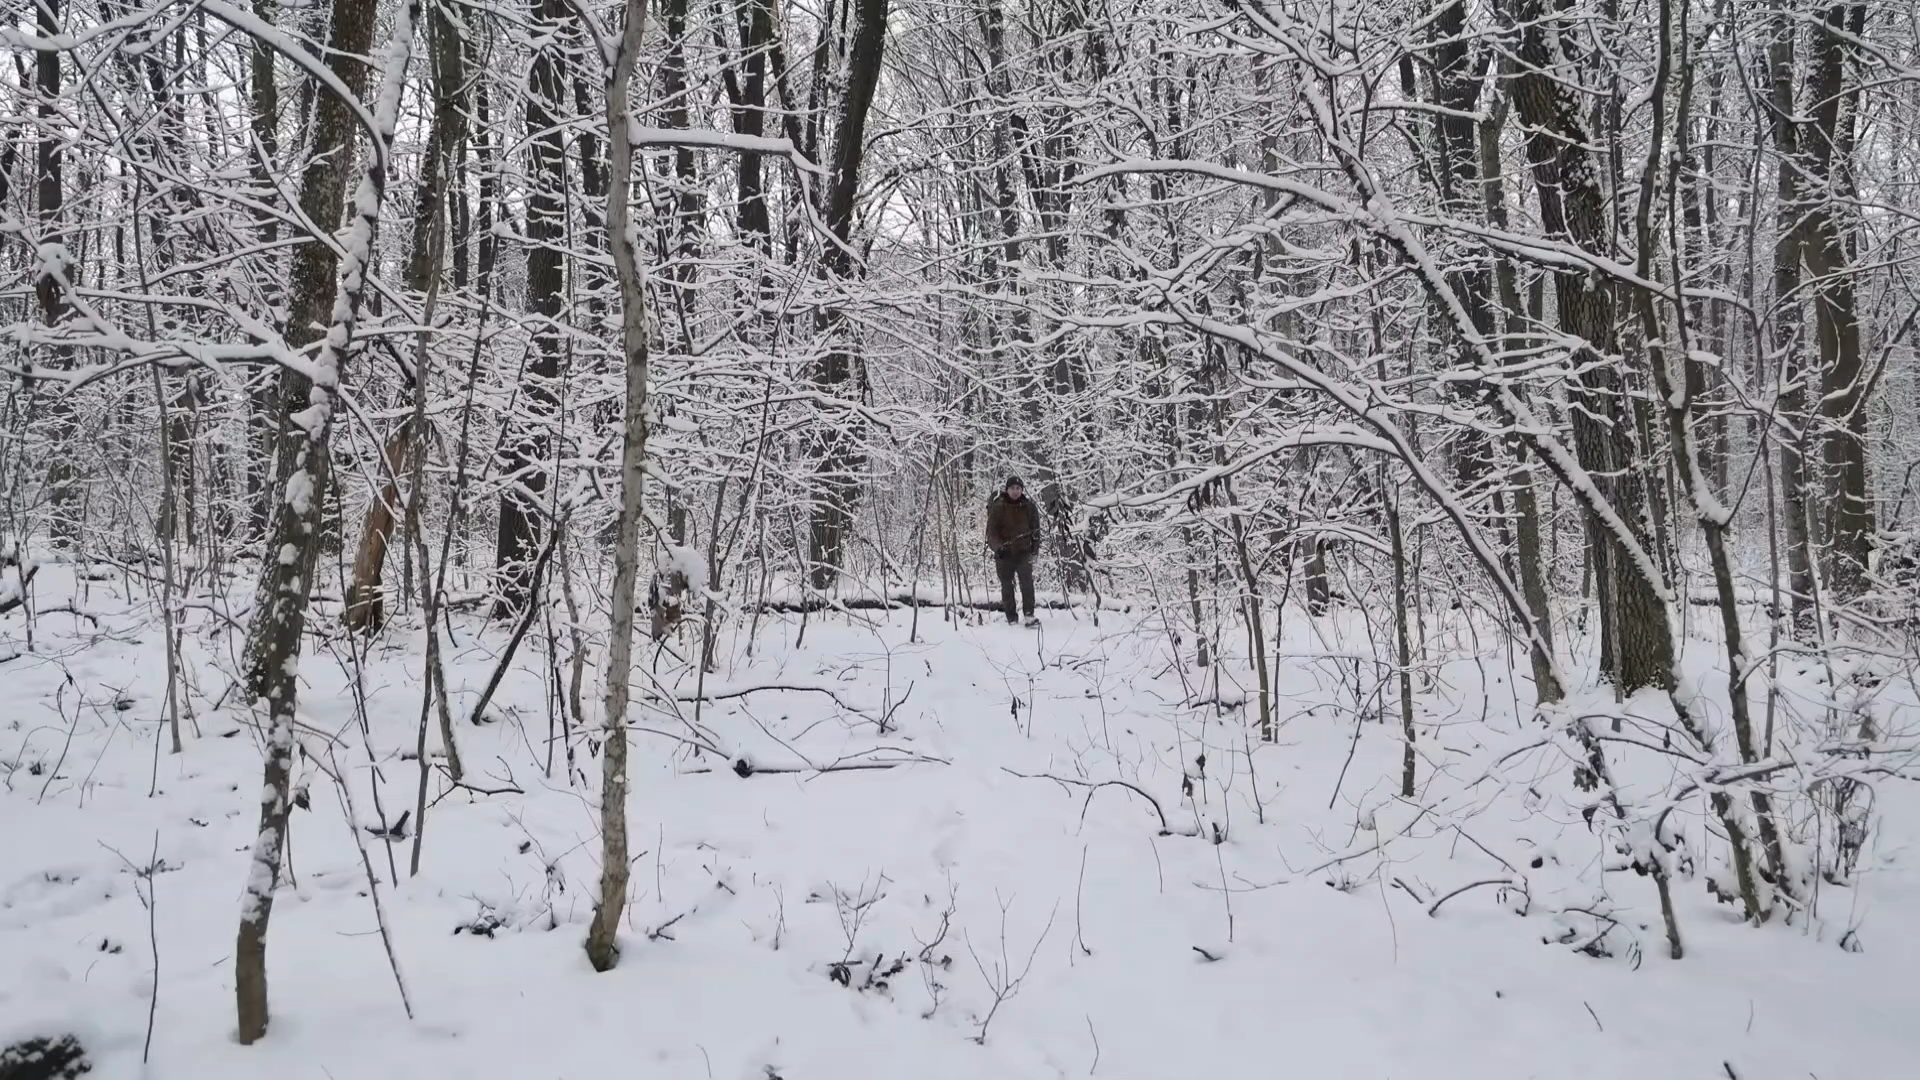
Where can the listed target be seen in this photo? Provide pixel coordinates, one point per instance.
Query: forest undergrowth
(895, 835)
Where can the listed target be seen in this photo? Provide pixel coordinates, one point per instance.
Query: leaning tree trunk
(325, 290)
(603, 948)
(840, 455)
(366, 601)
(366, 607)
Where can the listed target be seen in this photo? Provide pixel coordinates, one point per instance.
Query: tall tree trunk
(326, 295)
(1636, 640)
(166, 139)
(486, 246)
(840, 454)
(446, 131)
(518, 540)
(593, 185)
(1457, 79)
(603, 948)
(1528, 555)
(677, 115)
(1830, 250)
(265, 122)
(1403, 648)
(50, 198)
(1006, 277)
(1788, 239)
(755, 21)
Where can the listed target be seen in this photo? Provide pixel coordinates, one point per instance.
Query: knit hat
(1013, 481)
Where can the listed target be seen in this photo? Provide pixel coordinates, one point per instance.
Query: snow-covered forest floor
(954, 914)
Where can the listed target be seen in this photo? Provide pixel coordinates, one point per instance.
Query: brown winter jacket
(1013, 527)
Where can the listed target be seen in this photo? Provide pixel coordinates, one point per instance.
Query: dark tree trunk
(1528, 551)
(265, 423)
(1788, 240)
(677, 115)
(1830, 250)
(49, 197)
(448, 129)
(1636, 643)
(839, 454)
(594, 281)
(486, 247)
(1457, 77)
(755, 21)
(518, 540)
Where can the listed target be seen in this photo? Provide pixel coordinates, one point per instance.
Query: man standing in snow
(1013, 532)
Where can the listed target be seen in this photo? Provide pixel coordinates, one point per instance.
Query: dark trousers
(1010, 567)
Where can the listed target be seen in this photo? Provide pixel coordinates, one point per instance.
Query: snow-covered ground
(942, 917)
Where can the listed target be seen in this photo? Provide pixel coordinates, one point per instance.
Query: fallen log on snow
(903, 601)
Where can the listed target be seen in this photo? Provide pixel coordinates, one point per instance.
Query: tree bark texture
(518, 540)
(1636, 640)
(272, 653)
(1830, 249)
(603, 948)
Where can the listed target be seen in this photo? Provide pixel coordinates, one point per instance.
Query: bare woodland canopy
(1593, 316)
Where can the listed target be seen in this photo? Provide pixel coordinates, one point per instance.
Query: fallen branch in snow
(1351, 853)
(723, 695)
(1079, 890)
(874, 603)
(702, 745)
(462, 785)
(744, 768)
(67, 609)
(1434, 909)
(907, 599)
(1094, 786)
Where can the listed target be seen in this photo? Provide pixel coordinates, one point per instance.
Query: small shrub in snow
(42, 1058)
